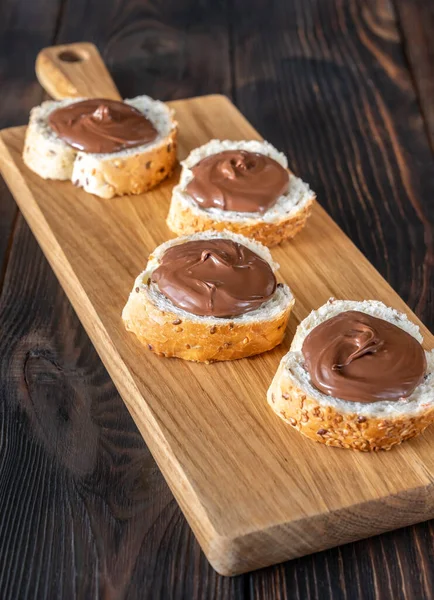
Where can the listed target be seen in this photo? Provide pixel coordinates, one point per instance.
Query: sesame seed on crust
(327, 426)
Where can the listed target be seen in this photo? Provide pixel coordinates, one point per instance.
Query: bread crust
(172, 332)
(343, 424)
(182, 220)
(166, 334)
(106, 175)
(326, 425)
(133, 174)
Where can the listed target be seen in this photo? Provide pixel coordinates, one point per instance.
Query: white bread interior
(129, 171)
(172, 331)
(358, 425)
(281, 221)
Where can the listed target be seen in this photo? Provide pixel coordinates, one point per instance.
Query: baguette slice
(337, 422)
(129, 171)
(171, 331)
(281, 222)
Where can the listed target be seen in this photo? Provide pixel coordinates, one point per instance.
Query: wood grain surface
(170, 52)
(417, 22)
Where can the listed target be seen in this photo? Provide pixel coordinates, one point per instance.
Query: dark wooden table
(346, 89)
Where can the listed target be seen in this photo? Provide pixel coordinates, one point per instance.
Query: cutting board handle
(74, 70)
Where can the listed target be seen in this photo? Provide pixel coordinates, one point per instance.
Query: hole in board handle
(69, 56)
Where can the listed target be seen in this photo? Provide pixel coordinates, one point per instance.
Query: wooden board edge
(203, 97)
(238, 555)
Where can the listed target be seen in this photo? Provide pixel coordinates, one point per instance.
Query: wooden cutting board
(254, 491)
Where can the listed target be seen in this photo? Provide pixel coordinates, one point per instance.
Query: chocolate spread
(102, 126)
(215, 277)
(361, 358)
(239, 181)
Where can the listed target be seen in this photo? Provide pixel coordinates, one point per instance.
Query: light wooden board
(254, 491)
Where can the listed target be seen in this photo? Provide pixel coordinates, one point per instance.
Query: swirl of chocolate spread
(239, 181)
(214, 278)
(102, 126)
(361, 358)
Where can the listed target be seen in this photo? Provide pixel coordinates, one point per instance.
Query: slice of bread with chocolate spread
(108, 148)
(209, 297)
(244, 187)
(356, 376)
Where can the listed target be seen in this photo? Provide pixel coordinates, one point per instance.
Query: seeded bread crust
(280, 223)
(134, 174)
(182, 220)
(339, 423)
(172, 332)
(130, 171)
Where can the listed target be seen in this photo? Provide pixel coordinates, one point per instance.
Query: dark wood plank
(328, 83)
(396, 565)
(84, 510)
(170, 50)
(24, 29)
(416, 22)
(8, 218)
